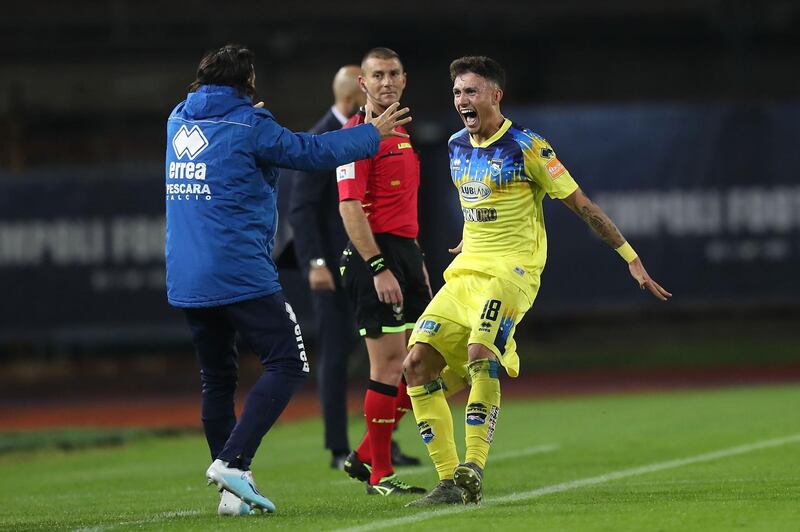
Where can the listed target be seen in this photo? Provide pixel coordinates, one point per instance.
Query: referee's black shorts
(404, 258)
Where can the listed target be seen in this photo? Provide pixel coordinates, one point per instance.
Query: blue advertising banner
(83, 258)
(709, 195)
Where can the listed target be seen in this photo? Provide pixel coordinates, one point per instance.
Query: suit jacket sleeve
(307, 203)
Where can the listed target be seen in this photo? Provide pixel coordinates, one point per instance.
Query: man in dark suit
(319, 239)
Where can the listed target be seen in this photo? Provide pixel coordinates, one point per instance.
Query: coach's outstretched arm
(282, 147)
(605, 229)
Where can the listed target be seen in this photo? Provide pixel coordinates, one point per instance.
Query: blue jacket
(222, 166)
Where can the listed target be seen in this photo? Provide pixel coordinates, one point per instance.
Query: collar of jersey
(490, 140)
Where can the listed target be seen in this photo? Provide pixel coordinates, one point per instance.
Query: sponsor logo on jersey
(479, 214)
(555, 168)
(486, 327)
(187, 170)
(519, 271)
(429, 327)
(473, 191)
(189, 142)
(346, 171)
(404, 146)
(547, 153)
(495, 167)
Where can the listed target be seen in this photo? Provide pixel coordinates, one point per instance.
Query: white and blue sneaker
(230, 504)
(240, 483)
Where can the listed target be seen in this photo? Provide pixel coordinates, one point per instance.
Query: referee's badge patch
(346, 171)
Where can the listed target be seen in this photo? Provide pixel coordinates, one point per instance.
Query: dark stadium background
(679, 117)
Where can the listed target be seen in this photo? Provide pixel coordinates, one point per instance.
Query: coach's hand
(388, 288)
(456, 250)
(390, 119)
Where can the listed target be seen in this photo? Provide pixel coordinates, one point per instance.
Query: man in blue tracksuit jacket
(222, 160)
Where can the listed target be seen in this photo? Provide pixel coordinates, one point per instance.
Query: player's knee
(419, 366)
(411, 366)
(479, 352)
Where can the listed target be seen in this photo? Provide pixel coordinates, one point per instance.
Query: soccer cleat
(240, 483)
(469, 477)
(400, 459)
(445, 492)
(356, 468)
(230, 504)
(392, 485)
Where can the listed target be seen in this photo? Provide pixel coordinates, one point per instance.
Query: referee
(383, 271)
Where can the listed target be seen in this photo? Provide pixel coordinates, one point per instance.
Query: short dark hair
(481, 65)
(381, 52)
(231, 65)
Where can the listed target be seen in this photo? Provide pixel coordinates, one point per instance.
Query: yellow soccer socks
(435, 424)
(483, 407)
(452, 382)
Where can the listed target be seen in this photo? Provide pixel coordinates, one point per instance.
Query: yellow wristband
(626, 252)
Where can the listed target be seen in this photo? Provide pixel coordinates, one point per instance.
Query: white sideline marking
(496, 457)
(580, 483)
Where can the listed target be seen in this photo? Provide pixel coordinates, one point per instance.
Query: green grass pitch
(705, 460)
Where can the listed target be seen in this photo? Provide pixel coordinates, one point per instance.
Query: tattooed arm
(602, 225)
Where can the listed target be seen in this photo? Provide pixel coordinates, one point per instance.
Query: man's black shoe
(337, 460)
(400, 459)
(355, 468)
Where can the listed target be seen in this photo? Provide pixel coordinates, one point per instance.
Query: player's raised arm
(602, 225)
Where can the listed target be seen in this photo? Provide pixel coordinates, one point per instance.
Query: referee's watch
(319, 262)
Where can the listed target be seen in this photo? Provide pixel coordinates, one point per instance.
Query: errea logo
(189, 142)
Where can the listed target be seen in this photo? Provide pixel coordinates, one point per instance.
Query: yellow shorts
(473, 308)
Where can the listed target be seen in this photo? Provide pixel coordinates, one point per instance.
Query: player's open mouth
(470, 117)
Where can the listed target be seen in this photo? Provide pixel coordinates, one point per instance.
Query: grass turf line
(157, 484)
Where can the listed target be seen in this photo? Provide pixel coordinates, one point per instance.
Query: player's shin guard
(435, 425)
(483, 407)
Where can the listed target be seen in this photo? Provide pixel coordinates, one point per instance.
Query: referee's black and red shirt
(386, 185)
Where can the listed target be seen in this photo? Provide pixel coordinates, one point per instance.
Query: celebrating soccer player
(502, 172)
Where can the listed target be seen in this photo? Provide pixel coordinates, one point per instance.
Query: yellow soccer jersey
(501, 185)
